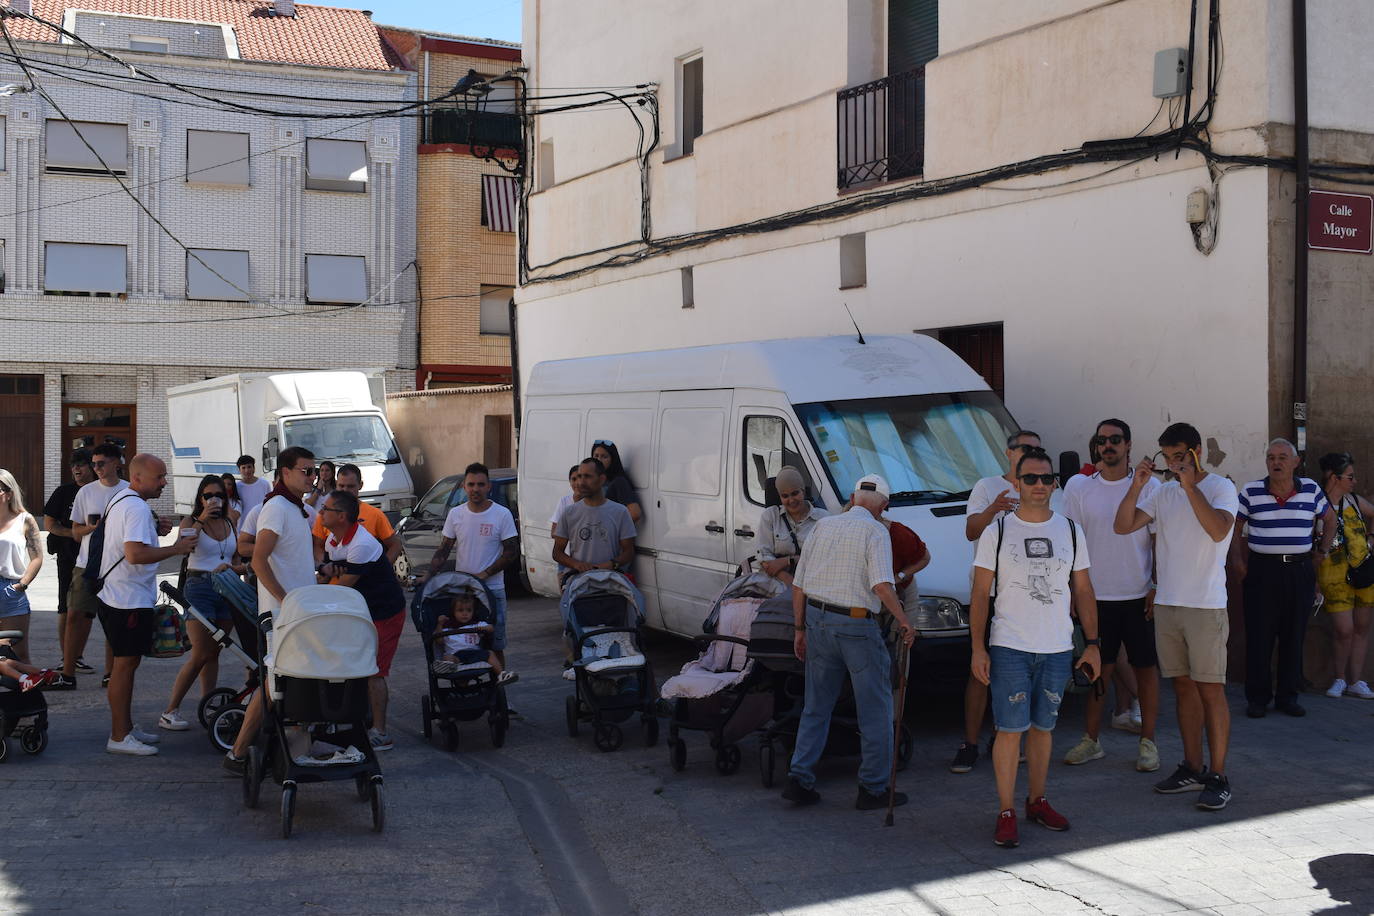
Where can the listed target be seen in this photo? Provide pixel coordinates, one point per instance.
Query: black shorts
(1123, 623)
(128, 631)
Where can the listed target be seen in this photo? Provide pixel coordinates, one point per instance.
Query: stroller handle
(706, 639)
(171, 591)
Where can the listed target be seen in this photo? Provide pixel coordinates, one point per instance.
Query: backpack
(95, 554)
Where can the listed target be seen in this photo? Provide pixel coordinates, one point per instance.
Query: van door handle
(714, 528)
(743, 533)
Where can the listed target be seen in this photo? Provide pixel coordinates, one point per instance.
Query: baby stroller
(221, 710)
(602, 613)
(771, 645)
(471, 690)
(16, 706)
(723, 692)
(322, 650)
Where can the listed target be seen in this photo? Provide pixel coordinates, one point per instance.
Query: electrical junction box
(1171, 72)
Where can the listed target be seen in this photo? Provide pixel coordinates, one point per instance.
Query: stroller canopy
(749, 585)
(601, 583)
(324, 632)
(432, 600)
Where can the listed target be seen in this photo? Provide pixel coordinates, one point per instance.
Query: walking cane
(903, 664)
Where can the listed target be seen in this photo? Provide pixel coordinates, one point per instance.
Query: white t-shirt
(129, 585)
(477, 538)
(252, 494)
(1191, 566)
(563, 502)
(1032, 588)
(90, 500)
(248, 524)
(293, 557)
(362, 547)
(1121, 568)
(987, 490)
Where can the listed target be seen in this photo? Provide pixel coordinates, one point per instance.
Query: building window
(65, 151)
(335, 278)
(545, 164)
(495, 314)
(689, 288)
(2, 143)
(148, 43)
(499, 195)
(74, 269)
(217, 157)
(913, 34)
(853, 261)
(336, 165)
(218, 275)
(981, 347)
(689, 104)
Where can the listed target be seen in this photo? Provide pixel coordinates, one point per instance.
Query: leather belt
(860, 613)
(1283, 557)
(193, 573)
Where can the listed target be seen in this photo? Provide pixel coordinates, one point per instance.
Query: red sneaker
(28, 682)
(1007, 835)
(1040, 812)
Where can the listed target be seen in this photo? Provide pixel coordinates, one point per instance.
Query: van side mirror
(269, 453)
(1069, 465)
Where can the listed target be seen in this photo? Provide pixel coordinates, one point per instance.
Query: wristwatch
(1092, 642)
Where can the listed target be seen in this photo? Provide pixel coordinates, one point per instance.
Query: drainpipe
(1300, 252)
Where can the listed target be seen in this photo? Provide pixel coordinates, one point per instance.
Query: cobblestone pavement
(549, 824)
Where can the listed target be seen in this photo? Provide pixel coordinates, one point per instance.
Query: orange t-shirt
(369, 516)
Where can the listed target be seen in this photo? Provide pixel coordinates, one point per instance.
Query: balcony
(473, 127)
(880, 129)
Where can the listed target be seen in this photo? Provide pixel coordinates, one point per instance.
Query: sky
(474, 18)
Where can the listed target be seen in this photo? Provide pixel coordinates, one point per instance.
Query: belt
(194, 573)
(861, 613)
(1283, 557)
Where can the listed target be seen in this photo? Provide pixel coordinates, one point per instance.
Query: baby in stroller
(468, 644)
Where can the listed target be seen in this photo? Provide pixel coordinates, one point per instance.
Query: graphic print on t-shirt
(1041, 567)
(486, 530)
(594, 531)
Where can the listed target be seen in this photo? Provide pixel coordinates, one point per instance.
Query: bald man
(128, 592)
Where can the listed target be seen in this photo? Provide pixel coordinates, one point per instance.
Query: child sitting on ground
(463, 648)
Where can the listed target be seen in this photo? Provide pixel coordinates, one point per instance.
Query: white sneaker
(1338, 688)
(130, 746)
(145, 737)
(173, 722)
(1135, 715)
(1126, 722)
(1358, 689)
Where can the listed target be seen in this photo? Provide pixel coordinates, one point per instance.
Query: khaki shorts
(1192, 642)
(79, 597)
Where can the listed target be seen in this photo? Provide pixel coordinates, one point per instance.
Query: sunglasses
(1024, 447)
(606, 442)
(1116, 439)
(330, 509)
(1031, 480)
(308, 472)
(101, 462)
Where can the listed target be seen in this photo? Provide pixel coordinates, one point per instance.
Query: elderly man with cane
(843, 581)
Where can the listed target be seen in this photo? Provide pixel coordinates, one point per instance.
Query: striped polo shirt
(1281, 526)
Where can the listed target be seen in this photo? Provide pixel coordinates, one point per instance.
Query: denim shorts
(201, 593)
(1027, 688)
(13, 603)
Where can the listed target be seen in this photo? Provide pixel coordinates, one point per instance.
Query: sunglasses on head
(606, 442)
(1114, 439)
(1031, 480)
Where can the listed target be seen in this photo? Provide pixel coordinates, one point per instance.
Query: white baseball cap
(873, 482)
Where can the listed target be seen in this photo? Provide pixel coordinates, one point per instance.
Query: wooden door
(21, 446)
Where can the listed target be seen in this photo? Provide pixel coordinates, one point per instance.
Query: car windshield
(930, 448)
(356, 439)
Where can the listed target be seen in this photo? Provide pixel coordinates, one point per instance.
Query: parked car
(423, 529)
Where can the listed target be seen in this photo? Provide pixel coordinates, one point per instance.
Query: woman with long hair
(324, 485)
(618, 486)
(231, 493)
(1350, 608)
(214, 552)
(21, 557)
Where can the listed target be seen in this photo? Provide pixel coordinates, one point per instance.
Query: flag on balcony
(499, 193)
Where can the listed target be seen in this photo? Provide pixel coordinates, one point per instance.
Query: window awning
(499, 193)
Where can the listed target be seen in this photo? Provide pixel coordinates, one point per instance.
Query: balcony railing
(473, 127)
(881, 129)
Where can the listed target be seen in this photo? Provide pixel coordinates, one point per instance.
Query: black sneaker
(105, 681)
(62, 682)
(235, 765)
(1292, 708)
(964, 758)
(1215, 793)
(867, 801)
(82, 666)
(1184, 779)
(799, 794)
(1256, 710)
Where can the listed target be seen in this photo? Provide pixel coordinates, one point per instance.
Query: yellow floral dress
(1350, 548)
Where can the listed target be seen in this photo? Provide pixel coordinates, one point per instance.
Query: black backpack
(95, 554)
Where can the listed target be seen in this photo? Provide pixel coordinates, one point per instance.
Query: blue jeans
(498, 624)
(836, 646)
(1027, 688)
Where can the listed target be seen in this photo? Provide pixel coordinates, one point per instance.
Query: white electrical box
(1171, 72)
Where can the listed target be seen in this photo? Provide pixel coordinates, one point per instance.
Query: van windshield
(352, 439)
(930, 448)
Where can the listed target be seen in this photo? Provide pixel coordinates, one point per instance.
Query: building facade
(289, 237)
(998, 175)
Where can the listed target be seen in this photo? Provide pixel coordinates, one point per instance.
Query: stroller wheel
(906, 747)
(252, 777)
(288, 808)
(677, 754)
(213, 702)
(360, 783)
(4, 748)
(650, 731)
(427, 717)
(34, 739)
(224, 727)
(570, 711)
(728, 759)
(378, 809)
(767, 760)
(450, 736)
(608, 737)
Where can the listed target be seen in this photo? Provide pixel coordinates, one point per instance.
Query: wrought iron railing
(473, 127)
(880, 129)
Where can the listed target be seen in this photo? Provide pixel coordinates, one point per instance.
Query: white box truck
(337, 415)
(702, 430)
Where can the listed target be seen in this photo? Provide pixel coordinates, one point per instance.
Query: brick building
(304, 225)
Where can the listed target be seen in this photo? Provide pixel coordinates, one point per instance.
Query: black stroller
(464, 692)
(602, 613)
(17, 706)
(322, 650)
(723, 692)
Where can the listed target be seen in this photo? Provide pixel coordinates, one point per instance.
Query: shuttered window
(217, 157)
(216, 274)
(981, 347)
(913, 34)
(65, 151)
(335, 278)
(82, 269)
(336, 165)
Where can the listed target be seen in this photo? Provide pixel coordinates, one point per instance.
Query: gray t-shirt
(594, 533)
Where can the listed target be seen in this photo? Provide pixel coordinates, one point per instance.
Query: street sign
(1340, 222)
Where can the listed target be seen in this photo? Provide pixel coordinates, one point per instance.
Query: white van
(701, 430)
